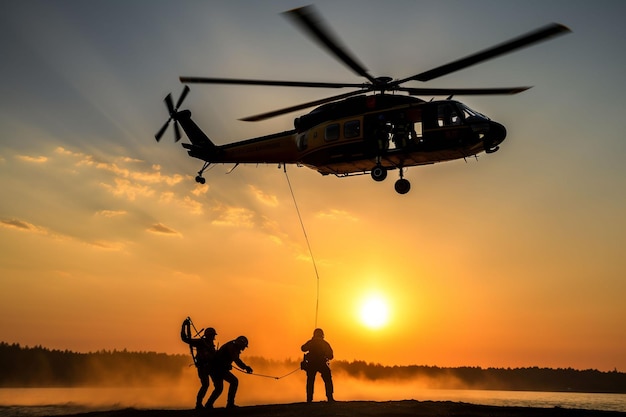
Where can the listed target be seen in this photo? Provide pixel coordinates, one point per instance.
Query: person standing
(221, 370)
(203, 352)
(316, 360)
(403, 132)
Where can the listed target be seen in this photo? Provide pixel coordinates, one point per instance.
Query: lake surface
(34, 402)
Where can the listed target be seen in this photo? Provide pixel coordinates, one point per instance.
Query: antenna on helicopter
(173, 111)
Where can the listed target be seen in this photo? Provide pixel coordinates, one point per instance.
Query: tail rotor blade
(162, 130)
(173, 112)
(170, 104)
(182, 97)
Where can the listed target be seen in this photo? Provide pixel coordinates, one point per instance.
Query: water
(35, 402)
(608, 402)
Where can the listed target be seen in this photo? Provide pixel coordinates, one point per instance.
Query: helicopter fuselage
(360, 134)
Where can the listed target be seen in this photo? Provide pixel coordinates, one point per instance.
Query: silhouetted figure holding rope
(203, 353)
(316, 360)
(221, 370)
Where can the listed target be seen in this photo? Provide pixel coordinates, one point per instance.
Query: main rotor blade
(238, 81)
(538, 35)
(461, 91)
(312, 24)
(286, 110)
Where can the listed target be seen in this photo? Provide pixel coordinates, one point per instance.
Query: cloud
(275, 232)
(130, 183)
(21, 225)
(24, 226)
(161, 229)
(150, 177)
(128, 159)
(234, 216)
(334, 214)
(277, 240)
(187, 203)
(155, 177)
(194, 207)
(111, 213)
(32, 159)
(125, 188)
(267, 199)
(200, 189)
(106, 245)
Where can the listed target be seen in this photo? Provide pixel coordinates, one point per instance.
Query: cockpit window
(467, 112)
(447, 115)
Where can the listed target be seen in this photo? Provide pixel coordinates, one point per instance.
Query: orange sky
(514, 259)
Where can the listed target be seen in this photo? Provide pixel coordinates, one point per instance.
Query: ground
(363, 409)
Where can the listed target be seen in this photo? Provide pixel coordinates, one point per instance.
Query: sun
(374, 311)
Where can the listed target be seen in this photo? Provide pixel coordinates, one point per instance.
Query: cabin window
(447, 115)
(352, 129)
(332, 132)
(302, 142)
(418, 129)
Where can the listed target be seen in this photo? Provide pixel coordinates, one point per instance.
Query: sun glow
(374, 311)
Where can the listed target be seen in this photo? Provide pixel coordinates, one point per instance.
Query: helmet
(318, 333)
(242, 341)
(209, 331)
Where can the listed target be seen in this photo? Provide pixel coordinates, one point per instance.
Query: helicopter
(371, 129)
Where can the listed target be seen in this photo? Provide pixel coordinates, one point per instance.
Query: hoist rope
(306, 237)
(317, 276)
(267, 376)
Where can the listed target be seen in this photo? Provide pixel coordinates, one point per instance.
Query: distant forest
(41, 367)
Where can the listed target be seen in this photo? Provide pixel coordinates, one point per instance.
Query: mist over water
(262, 388)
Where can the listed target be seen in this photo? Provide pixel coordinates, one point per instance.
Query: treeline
(516, 379)
(41, 367)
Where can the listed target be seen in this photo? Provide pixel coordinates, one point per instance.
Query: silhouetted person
(403, 132)
(203, 356)
(220, 372)
(319, 353)
(381, 135)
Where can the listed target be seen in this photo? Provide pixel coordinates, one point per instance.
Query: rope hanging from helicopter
(306, 237)
(317, 276)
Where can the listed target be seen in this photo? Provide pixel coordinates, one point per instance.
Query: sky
(513, 259)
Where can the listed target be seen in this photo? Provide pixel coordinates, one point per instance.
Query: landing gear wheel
(402, 186)
(200, 179)
(379, 173)
(492, 150)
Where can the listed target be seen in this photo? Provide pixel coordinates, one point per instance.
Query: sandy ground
(362, 409)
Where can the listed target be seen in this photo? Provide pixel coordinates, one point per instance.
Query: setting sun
(374, 312)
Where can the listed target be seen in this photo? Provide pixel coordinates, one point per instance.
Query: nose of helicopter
(497, 133)
(494, 133)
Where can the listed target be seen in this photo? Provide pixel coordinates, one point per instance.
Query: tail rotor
(173, 111)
